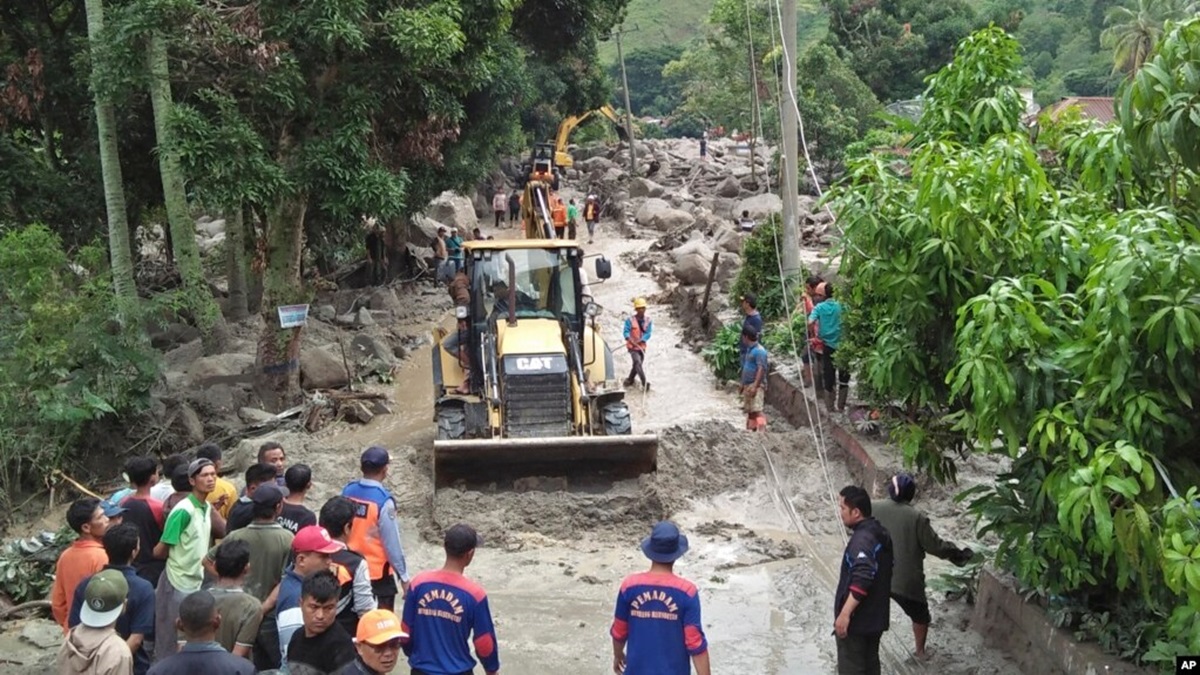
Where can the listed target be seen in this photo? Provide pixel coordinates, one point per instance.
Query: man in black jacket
(861, 604)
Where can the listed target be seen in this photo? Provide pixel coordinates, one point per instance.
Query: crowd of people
(255, 581)
(317, 594)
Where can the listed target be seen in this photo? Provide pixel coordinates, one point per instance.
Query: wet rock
(209, 245)
(420, 229)
(364, 318)
(591, 164)
(42, 634)
(366, 348)
(254, 415)
(189, 424)
(173, 335)
(357, 411)
(453, 210)
(729, 239)
(322, 369)
(760, 206)
(659, 214)
(729, 187)
(346, 319)
(692, 262)
(220, 365)
(210, 228)
(385, 300)
(644, 187)
(326, 313)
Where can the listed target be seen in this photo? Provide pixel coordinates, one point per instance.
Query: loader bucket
(580, 459)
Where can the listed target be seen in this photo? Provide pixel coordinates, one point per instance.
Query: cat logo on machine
(534, 363)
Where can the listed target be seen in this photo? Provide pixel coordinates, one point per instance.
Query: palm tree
(1133, 32)
(110, 171)
(183, 233)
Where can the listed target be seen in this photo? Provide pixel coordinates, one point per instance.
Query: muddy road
(765, 535)
(766, 538)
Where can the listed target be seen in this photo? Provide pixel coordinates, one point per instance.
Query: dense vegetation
(293, 121)
(1037, 298)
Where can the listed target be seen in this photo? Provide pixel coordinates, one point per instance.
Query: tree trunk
(121, 257)
(278, 357)
(235, 263)
(183, 235)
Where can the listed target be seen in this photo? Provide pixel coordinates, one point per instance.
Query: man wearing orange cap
(377, 642)
(637, 332)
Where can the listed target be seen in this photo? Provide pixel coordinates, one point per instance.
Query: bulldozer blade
(580, 458)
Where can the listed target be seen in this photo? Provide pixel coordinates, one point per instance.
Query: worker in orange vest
(558, 215)
(637, 332)
(375, 532)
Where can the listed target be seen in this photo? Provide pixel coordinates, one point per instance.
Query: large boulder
(729, 187)
(454, 210)
(591, 164)
(728, 238)
(692, 262)
(659, 214)
(644, 187)
(421, 229)
(220, 365)
(322, 369)
(761, 206)
(209, 227)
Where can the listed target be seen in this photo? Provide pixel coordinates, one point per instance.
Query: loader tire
(451, 423)
(616, 419)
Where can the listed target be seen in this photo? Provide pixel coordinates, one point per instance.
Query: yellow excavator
(562, 158)
(536, 392)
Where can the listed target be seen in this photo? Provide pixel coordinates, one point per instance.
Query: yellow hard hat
(639, 303)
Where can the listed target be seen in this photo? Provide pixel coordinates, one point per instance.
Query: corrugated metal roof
(1098, 108)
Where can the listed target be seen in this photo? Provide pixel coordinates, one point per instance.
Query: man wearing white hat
(93, 647)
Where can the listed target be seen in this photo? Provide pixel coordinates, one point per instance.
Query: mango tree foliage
(1043, 300)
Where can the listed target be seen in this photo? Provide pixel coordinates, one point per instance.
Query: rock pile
(691, 204)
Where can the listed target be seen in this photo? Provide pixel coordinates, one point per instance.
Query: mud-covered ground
(765, 535)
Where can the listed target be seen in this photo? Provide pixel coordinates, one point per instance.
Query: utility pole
(790, 260)
(628, 109)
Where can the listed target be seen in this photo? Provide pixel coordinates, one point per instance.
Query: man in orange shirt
(83, 558)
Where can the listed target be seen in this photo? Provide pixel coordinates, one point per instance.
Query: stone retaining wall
(1022, 629)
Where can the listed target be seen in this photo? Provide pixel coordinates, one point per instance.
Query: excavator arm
(562, 158)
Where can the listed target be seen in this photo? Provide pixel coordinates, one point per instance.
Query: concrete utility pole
(628, 109)
(790, 256)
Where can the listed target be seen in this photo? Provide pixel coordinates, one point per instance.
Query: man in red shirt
(658, 614)
(83, 558)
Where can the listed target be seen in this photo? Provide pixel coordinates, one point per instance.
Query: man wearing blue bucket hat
(657, 627)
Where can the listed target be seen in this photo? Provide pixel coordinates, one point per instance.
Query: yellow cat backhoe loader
(544, 395)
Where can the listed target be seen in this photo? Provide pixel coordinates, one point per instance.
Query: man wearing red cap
(375, 533)
(311, 549)
(658, 613)
(377, 642)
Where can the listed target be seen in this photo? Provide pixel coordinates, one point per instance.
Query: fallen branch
(78, 486)
(42, 605)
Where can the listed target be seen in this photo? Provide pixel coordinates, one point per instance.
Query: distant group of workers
(564, 214)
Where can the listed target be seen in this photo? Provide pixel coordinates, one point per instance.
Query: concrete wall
(1022, 629)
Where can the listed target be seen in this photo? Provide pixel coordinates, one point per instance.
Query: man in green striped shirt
(186, 537)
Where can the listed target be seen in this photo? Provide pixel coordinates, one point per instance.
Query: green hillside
(659, 22)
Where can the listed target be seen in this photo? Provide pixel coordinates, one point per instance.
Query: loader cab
(545, 284)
